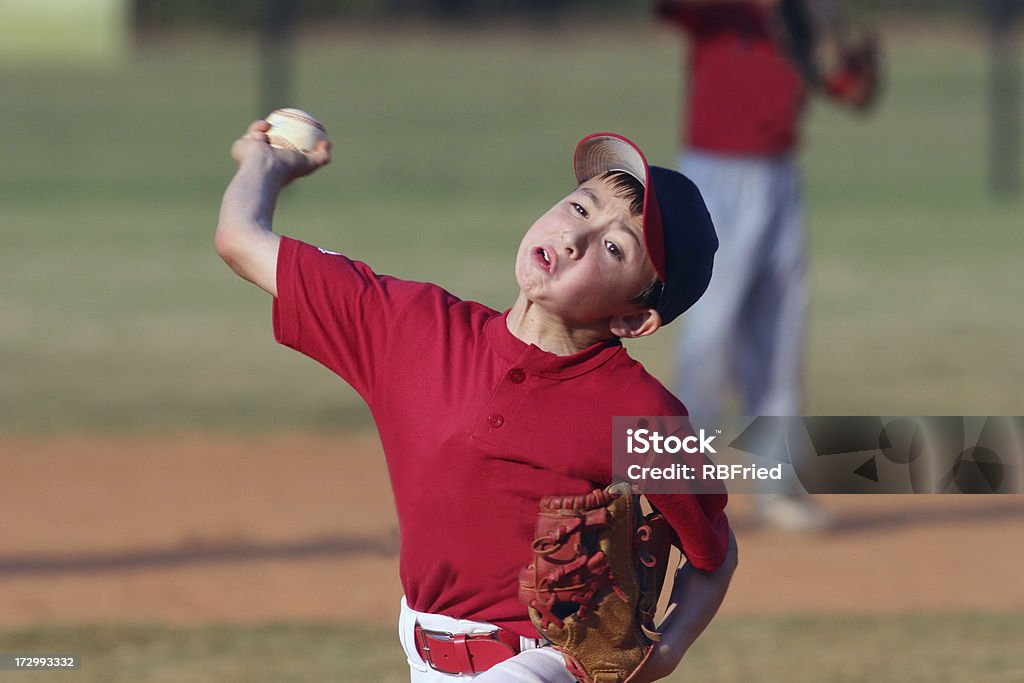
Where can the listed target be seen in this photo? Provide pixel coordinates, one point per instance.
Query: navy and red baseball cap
(678, 232)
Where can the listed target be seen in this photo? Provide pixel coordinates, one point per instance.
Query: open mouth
(543, 258)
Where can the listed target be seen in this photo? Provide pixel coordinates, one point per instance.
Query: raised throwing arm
(244, 238)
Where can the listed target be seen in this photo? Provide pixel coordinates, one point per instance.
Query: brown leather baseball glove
(593, 586)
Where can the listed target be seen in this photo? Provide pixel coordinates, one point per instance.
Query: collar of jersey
(535, 360)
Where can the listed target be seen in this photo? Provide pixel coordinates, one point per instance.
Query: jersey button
(496, 420)
(516, 375)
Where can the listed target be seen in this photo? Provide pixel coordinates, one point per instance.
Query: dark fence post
(1004, 100)
(277, 22)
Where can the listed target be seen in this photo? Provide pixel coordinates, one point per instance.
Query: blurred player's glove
(831, 52)
(858, 80)
(593, 586)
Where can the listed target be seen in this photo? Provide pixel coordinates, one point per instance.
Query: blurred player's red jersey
(745, 96)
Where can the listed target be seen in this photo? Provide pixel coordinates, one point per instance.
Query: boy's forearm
(694, 602)
(244, 237)
(249, 201)
(696, 597)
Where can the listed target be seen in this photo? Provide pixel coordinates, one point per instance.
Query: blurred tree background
(156, 13)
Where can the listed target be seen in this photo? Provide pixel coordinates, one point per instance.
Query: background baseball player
(481, 413)
(750, 67)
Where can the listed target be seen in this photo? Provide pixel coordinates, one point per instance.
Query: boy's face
(585, 258)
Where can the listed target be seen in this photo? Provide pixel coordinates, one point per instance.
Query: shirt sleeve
(698, 519)
(701, 524)
(337, 311)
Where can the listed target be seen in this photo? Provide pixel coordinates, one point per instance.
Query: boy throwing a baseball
(482, 412)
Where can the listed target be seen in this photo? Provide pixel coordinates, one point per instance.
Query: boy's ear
(639, 324)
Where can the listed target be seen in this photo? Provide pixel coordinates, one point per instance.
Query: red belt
(465, 653)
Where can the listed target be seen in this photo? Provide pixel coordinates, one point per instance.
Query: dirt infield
(192, 528)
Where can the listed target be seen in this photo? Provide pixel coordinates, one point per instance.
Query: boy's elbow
(227, 243)
(251, 255)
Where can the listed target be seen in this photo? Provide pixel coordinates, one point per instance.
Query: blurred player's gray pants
(746, 333)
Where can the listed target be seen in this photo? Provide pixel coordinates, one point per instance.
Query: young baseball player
(482, 412)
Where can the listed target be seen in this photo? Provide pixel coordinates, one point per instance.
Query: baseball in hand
(294, 129)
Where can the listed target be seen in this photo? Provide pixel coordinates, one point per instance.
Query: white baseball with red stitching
(294, 129)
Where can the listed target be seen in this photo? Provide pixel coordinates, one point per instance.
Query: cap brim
(603, 152)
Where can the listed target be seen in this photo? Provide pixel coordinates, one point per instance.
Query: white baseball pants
(537, 663)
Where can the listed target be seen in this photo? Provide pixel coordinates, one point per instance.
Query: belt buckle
(437, 635)
(449, 636)
(440, 635)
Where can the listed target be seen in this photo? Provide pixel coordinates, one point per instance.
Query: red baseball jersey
(744, 95)
(476, 425)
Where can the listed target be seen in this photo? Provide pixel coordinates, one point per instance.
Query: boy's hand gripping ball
(295, 130)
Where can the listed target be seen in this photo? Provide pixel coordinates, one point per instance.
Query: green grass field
(118, 313)
(804, 649)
